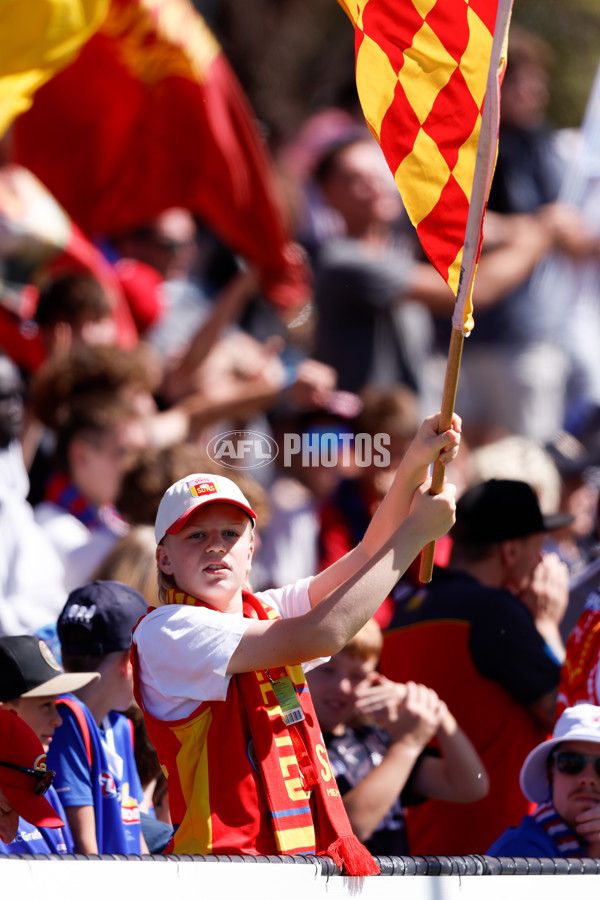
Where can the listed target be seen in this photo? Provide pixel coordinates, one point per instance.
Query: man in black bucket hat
(484, 635)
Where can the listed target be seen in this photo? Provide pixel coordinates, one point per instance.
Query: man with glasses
(24, 780)
(561, 775)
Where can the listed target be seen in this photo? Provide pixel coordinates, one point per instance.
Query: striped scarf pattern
(306, 810)
(568, 843)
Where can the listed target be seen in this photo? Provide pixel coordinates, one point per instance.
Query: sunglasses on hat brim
(44, 777)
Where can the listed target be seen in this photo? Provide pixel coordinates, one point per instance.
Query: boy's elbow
(324, 645)
(477, 789)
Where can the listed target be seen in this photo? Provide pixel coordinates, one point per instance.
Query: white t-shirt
(32, 591)
(183, 651)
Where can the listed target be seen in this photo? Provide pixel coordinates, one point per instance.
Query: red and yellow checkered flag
(428, 75)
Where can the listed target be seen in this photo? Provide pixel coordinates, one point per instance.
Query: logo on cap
(48, 656)
(77, 613)
(200, 488)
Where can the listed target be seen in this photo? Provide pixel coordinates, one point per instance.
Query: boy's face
(333, 687)
(210, 557)
(40, 714)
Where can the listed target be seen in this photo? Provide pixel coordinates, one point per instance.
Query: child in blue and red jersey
(92, 751)
(30, 682)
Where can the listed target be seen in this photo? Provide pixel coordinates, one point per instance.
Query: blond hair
(366, 643)
(132, 561)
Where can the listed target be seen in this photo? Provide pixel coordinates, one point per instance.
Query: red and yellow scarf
(242, 781)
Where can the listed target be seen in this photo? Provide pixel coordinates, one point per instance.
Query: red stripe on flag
(452, 118)
(399, 129)
(452, 30)
(487, 12)
(394, 25)
(442, 231)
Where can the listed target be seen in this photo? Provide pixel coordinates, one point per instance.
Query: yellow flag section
(425, 72)
(38, 38)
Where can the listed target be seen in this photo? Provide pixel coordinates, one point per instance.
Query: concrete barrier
(292, 878)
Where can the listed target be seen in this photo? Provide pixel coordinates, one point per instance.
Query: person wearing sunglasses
(562, 776)
(31, 681)
(24, 782)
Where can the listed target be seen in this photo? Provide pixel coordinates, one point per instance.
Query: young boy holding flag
(218, 671)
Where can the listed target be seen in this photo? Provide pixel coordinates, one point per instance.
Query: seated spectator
(24, 779)
(93, 448)
(377, 735)
(30, 682)
(31, 572)
(89, 374)
(560, 474)
(484, 635)
(579, 462)
(92, 751)
(561, 775)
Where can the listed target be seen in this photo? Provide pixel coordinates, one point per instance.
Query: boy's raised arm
(327, 627)
(425, 449)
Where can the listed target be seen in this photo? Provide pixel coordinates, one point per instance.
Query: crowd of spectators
(463, 674)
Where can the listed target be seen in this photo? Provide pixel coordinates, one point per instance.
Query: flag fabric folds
(39, 240)
(37, 39)
(428, 75)
(149, 116)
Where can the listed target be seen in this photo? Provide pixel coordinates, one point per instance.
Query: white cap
(577, 723)
(188, 494)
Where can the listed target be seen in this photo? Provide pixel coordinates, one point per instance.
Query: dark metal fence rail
(389, 865)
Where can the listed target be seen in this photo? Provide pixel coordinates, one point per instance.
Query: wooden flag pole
(448, 400)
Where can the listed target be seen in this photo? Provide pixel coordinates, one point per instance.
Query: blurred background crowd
(288, 296)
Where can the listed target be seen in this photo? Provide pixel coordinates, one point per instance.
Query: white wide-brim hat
(184, 497)
(577, 723)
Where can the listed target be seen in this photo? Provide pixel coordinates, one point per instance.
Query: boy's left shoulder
(153, 620)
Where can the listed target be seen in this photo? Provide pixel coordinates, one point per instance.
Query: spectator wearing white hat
(561, 775)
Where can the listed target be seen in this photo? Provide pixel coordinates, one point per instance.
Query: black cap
(99, 618)
(501, 510)
(29, 669)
